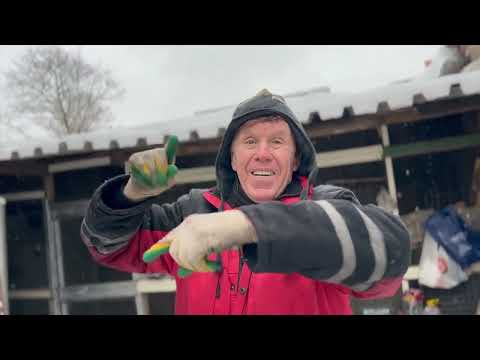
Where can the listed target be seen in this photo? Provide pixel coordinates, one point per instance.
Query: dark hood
(262, 104)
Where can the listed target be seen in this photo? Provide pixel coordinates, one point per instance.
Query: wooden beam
(426, 147)
(202, 146)
(437, 109)
(317, 129)
(447, 107)
(100, 291)
(196, 174)
(343, 126)
(150, 286)
(30, 294)
(351, 156)
(116, 289)
(324, 160)
(79, 164)
(362, 180)
(23, 168)
(24, 195)
(70, 209)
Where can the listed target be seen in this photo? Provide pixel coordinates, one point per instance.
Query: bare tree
(60, 91)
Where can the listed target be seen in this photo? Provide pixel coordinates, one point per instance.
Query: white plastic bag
(437, 269)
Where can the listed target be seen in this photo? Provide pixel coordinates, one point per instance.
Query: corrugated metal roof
(209, 123)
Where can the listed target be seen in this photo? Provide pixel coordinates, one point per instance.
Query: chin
(262, 196)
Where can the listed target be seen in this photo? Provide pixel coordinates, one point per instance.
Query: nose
(263, 153)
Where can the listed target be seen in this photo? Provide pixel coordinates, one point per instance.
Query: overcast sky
(166, 82)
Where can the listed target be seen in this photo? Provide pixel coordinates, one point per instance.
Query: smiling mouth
(262, 173)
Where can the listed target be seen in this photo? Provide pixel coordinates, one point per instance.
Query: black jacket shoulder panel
(328, 192)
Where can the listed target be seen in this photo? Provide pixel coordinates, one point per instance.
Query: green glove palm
(152, 171)
(161, 172)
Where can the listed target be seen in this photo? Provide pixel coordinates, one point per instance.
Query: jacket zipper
(218, 289)
(240, 268)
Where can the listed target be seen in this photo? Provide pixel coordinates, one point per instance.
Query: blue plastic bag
(460, 242)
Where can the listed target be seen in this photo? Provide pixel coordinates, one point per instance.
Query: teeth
(262, 173)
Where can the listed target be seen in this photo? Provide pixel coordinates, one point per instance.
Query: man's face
(263, 156)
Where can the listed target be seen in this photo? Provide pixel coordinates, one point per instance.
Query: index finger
(156, 250)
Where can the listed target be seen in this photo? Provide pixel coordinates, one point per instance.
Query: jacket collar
(238, 197)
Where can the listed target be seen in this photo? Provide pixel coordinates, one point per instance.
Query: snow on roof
(207, 124)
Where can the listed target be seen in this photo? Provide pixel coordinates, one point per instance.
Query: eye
(277, 141)
(249, 141)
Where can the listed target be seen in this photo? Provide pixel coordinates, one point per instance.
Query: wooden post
(141, 299)
(59, 264)
(49, 185)
(54, 246)
(4, 307)
(392, 188)
(54, 284)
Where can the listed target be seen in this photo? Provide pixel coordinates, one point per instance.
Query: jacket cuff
(110, 199)
(258, 255)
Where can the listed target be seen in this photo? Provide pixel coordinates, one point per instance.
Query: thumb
(171, 149)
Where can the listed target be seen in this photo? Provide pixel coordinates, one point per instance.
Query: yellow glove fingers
(141, 176)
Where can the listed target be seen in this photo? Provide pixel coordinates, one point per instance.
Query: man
(281, 245)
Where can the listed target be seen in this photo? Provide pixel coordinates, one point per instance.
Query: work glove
(151, 172)
(201, 234)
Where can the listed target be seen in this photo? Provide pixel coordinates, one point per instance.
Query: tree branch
(60, 91)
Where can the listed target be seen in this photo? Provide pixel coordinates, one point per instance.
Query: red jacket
(231, 292)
